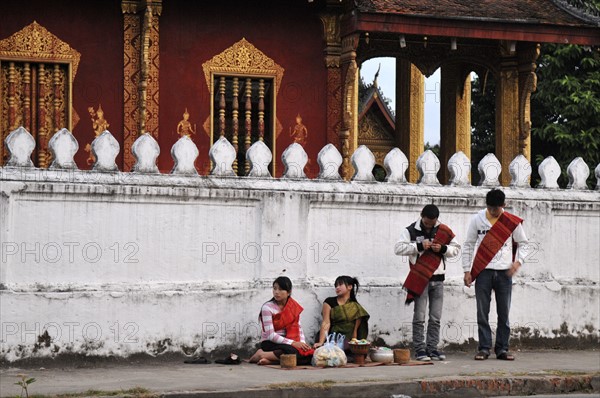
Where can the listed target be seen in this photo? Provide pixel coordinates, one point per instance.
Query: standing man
(427, 243)
(500, 246)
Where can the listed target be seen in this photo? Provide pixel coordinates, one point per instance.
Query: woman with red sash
(281, 329)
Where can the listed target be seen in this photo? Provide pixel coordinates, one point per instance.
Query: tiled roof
(523, 11)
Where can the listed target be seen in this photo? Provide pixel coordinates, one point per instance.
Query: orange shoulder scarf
(493, 241)
(289, 319)
(428, 262)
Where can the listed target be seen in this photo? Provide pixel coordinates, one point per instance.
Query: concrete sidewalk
(541, 372)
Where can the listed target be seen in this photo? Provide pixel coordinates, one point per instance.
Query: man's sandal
(481, 356)
(506, 356)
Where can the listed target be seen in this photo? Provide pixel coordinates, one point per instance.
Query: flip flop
(232, 359)
(197, 361)
(481, 356)
(505, 356)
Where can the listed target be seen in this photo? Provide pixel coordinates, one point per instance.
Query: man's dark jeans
(501, 284)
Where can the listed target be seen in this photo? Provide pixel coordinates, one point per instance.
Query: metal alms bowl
(384, 356)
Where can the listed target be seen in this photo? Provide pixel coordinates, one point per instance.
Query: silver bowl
(385, 356)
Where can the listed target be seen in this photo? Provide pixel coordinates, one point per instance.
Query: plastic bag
(330, 354)
(339, 340)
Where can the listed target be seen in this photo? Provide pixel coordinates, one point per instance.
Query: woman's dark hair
(284, 283)
(495, 198)
(348, 281)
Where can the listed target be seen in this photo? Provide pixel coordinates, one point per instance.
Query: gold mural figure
(300, 133)
(184, 128)
(99, 124)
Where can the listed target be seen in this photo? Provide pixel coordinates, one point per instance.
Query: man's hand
(436, 247)
(513, 268)
(426, 244)
(467, 279)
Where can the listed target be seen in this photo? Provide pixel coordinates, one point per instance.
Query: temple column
(333, 51)
(140, 67)
(507, 110)
(348, 134)
(410, 114)
(455, 112)
(527, 55)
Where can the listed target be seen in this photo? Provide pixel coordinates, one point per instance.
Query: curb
(443, 387)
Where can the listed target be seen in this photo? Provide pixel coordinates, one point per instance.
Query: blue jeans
(434, 296)
(501, 284)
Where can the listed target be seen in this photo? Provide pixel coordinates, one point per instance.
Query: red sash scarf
(428, 262)
(289, 319)
(493, 241)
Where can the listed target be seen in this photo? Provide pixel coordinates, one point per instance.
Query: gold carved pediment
(36, 43)
(243, 59)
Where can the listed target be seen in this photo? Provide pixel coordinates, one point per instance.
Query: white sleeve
(522, 242)
(404, 247)
(469, 245)
(452, 248)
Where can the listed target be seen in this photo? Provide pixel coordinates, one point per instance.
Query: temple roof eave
(473, 28)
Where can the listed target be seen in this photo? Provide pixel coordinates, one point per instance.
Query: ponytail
(348, 281)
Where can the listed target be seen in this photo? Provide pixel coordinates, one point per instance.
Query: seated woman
(343, 314)
(281, 329)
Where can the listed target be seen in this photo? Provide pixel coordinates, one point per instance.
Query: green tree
(565, 109)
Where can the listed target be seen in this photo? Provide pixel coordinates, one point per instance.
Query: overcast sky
(387, 84)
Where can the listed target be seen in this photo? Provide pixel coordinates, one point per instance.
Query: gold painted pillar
(140, 66)
(333, 51)
(349, 131)
(507, 110)
(527, 54)
(410, 113)
(455, 112)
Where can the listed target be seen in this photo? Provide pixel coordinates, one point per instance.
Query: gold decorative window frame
(34, 43)
(243, 59)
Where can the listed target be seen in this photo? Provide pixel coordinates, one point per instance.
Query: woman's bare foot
(257, 356)
(265, 361)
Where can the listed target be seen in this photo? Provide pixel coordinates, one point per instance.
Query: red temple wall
(191, 33)
(95, 29)
(290, 33)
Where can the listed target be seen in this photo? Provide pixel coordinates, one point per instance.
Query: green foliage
(591, 7)
(565, 109)
(24, 384)
(435, 148)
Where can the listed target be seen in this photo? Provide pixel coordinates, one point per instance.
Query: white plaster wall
(117, 263)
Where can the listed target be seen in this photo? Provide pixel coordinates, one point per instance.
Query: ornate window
(36, 74)
(243, 84)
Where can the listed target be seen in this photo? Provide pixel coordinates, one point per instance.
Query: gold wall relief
(141, 72)
(184, 127)
(99, 125)
(37, 70)
(245, 83)
(243, 59)
(299, 133)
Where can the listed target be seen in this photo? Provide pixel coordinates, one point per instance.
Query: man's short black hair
(430, 211)
(495, 198)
